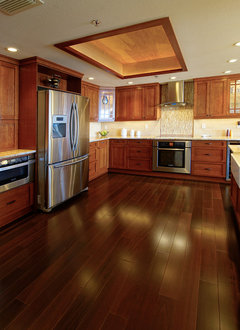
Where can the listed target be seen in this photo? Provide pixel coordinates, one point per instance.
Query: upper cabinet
(36, 72)
(139, 102)
(234, 96)
(8, 90)
(211, 98)
(92, 92)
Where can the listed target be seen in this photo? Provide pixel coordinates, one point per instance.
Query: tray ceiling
(144, 49)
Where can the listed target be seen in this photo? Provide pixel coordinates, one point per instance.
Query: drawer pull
(11, 202)
(138, 151)
(209, 143)
(207, 154)
(207, 169)
(138, 164)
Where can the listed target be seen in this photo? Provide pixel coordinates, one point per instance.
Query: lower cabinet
(235, 196)
(131, 154)
(98, 159)
(15, 203)
(209, 158)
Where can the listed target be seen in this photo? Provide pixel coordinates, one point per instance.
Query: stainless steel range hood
(175, 94)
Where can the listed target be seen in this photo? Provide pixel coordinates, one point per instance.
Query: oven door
(172, 160)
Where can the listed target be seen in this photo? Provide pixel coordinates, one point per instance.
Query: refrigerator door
(81, 116)
(61, 128)
(66, 180)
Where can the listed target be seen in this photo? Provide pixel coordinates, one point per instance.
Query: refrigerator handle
(76, 127)
(71, 162)
(71, 126)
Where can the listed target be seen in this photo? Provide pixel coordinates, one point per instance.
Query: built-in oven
(16, 171)
(172, 156)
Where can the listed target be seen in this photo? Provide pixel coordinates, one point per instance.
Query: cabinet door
(92, 92)
(201, 91)
(8, 91)
(129, 104)
(118, 156)
(151, 98)
(102, 158)
(217, 98)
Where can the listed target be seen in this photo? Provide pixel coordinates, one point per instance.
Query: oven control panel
(13, 161)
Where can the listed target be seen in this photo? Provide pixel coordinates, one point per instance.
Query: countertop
(15, 153)
(183, 138)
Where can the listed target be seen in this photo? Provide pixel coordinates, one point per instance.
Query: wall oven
(16, 171)
(172, 156)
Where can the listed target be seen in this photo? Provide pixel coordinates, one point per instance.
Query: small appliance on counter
(132, 132)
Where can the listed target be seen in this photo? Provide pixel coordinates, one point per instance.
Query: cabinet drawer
(92, 155)
(140, 164)
(140, 142)
(211, 155)
(14, 200)
(102, 144)
(204, 169)
(209, 144)
(92, 145)
(140, 152)
(118, 141)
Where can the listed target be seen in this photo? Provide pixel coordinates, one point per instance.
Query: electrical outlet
(203, 125)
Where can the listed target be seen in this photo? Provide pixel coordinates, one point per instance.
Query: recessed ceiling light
(130, 82)
(228, 71)
(232, 60)
(237, 44)
(172, 78)
(90, 78)
(12, 49)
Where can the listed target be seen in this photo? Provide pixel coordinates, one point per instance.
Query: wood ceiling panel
(138, 50)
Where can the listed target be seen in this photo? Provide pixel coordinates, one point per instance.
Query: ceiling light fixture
(130, 82)
(90, 78)
(237, 44)
(172, 78)
(233, 60)
(96, 22)
(12, 49)
(228, 71)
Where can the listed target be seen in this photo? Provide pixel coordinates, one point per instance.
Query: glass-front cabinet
(234, 97)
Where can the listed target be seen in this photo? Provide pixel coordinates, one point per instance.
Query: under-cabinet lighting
(12, 49)
(233, 60)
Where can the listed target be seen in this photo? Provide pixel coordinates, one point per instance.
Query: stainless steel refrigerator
(63, 136)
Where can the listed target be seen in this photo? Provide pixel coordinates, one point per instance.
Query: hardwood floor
(131, 253)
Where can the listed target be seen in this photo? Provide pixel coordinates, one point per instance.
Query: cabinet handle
(208, 143)
(138, 163)
(207, 169)
(138, 151)
(207, 154)
(11, 202)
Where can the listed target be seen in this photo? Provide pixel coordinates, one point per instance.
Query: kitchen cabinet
(235, 197)
(35, 73)
(137, 102)
(9, 86)
(15, 203)
(210, 98)
(98, 158)
(209, 158)
(117, 153)
(139, 155)
(92, 92)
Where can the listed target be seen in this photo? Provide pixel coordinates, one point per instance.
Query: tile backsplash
(216, 127)
(176, 122)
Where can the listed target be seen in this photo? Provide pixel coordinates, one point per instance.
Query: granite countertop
(15, 153)
(188, 138)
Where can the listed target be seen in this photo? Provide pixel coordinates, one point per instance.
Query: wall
(216, 127)
(94, 128)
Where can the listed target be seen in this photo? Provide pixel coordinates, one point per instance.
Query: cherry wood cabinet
(9, 86)
(15, 203)
(211, 98)
(92, 92)
(117, 153)
(138, 102)
(98, 158)
(209, 158)
(34, 72)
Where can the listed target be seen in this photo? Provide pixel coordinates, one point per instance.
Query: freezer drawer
(66, 180)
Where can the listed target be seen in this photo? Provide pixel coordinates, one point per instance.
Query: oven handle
(29, 162)
(173, 149)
